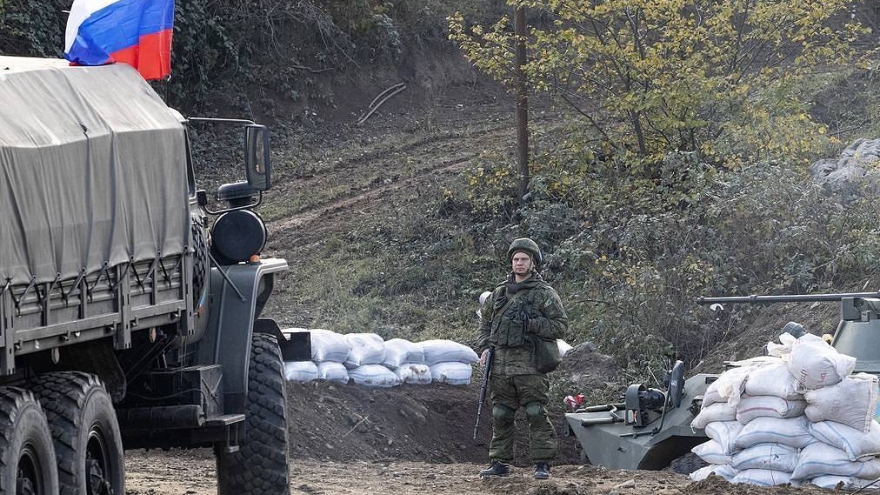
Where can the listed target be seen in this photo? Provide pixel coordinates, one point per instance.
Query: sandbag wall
(796, 416)
(366, 359)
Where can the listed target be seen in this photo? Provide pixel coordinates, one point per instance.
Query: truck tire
(88, 443)
(27, 458)
(260, 465)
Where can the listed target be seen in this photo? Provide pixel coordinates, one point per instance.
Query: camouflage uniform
(535, 311)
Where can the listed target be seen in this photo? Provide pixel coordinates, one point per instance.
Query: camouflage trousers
(509, 393)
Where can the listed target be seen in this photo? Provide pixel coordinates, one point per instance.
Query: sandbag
(401, 351)
(722, 470)
(712, 452)
(845, 483)
(856, 443)
(852, 402)
(374, 375)
(300, 371)
(815, 364)
(771, 456)
(773, 379)
(769, 406)
(725, 433)
(762, 477)
(366, 348)
(818, 459)
(328, 346)
(417, 374)
(794, 432)
(564, 347)
(445, 351)
(453, 373)
(719, 411)
(332, 372)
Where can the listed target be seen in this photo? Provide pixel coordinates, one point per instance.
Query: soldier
(519, 311)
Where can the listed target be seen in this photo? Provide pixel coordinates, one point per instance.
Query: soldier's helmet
(527, 245)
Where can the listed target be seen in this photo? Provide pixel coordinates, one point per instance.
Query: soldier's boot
(542, 471)
(495, 469)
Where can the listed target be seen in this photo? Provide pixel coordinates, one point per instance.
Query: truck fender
(233, 300)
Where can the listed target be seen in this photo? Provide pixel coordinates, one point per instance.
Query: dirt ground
(348, 439)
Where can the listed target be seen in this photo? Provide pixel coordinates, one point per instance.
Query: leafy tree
(718, 78)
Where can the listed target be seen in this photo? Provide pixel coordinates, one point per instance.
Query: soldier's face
(522, 263)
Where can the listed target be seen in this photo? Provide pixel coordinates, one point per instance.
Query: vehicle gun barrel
(788, 298)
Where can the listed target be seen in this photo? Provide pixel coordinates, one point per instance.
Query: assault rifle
(486, 372)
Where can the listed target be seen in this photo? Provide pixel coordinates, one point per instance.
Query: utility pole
(522, 104)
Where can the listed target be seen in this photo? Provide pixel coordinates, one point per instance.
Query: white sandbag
(712, 395)
(731, 384)
(300, 371)
(417, 374)
(845, 483)
(366, 348)
(794, 432)
(719, 411)
(402, 351)
(374, 375)
(815, 364)
(771, 456)
(564, 347)
(818, 459)
(783, 348)
(712, 452)
(328, 346)
(453, 373)
(852, 402)
(725, 433)
(332, 372)
(769, 406)
(722, 470)
(856, 443)
(446, 351)
(762, 477)
(773, 379)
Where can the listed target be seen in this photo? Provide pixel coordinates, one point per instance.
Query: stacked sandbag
(329, 352)
(449, 361)
(407, 360)
(368, 360)
(796, 416)
(365, 360)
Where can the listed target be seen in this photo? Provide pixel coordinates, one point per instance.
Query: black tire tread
(13, 402)
(260, 465)
(63, 395)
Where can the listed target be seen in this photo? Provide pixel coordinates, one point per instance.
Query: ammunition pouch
(546, 355)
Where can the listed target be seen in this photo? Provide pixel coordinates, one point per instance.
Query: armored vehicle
(651, 428)
(130, 307)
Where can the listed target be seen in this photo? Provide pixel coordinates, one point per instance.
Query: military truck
(651, 428)
(130, 300)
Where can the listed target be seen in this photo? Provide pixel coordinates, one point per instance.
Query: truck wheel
(260, 465)
(27, 459)
(88, 444)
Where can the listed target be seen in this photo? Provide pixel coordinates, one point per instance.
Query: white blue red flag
(135, 32)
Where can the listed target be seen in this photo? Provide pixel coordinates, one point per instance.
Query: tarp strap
(24, 294)
(121, 277)
(75, 286)
(104, 271)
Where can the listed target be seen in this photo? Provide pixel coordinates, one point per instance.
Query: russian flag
(135, 32)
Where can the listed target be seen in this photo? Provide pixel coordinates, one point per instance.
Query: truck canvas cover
(92, 171)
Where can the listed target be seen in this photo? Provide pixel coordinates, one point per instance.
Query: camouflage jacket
(513, 316)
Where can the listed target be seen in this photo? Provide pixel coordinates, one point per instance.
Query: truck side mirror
(257, 166)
